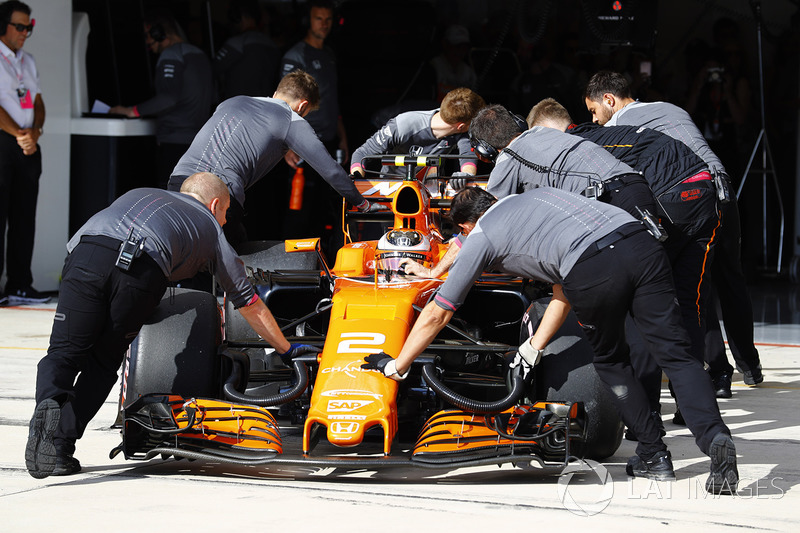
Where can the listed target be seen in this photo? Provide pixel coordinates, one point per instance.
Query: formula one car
(199, 384)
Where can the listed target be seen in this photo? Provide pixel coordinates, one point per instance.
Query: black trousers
(692, 222)
(100, 311)
(633, 276)
(19, 190)
(730, 287)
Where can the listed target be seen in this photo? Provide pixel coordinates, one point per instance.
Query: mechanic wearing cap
(21, 120)
(543, 157)
(247, 136)
(184, 87)
(107, 293)
(603, 265)
(687, 202)
(608, 98)
(422, 133)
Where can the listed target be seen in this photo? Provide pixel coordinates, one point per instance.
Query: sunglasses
(22, 27)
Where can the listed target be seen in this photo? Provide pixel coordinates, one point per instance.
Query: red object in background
(616, 6)
(296, 197)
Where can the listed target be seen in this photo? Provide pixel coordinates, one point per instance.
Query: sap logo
(383, 188)
(345, 428)
(346, 406)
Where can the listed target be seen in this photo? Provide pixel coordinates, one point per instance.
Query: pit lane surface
(119, 495)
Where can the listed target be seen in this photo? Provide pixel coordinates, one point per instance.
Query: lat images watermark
(586, 488)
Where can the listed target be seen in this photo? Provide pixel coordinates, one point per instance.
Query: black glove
(371, 207)
(458, 180)
(296, 350)
(382, 362)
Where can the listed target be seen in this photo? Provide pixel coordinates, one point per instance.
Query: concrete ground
(127, 496)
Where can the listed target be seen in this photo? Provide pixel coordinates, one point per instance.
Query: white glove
(527, 356)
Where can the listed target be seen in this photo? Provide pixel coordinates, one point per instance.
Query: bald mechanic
(687, 203)
(543, 157)
(423, 133)
(102, 304)
(608, 98)
(247, 136)
(603, 265)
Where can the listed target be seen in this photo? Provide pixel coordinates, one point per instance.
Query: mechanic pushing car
(604, 265)
(117, 271)
(438, 131)
(247, 136)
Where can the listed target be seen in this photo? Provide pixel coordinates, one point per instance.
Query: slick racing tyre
(566, 373)
(176, 349)
(266, 256)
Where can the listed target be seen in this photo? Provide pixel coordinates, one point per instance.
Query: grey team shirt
(184, 85)
(321, 64)
(247, 136)
(538, 235)
(181, 235)
(411, 133)
(555, 159)
(672, 120)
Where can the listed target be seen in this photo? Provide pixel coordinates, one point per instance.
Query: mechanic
(687, 206)
(440, 131)
(247, 136)
(319, 213)
(21, 120)
(543, 157)
(184, 91)
(107, 293)
(608, 99)
(603, 265)
(247, 63)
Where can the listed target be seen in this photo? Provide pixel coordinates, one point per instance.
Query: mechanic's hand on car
(527, 356)
(411, 267)
(384, 363)
(458, 180)
(296, 350)
(371, 207)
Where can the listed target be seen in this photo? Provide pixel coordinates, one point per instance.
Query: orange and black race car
(199, 384)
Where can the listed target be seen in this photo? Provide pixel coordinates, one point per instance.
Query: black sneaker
(678, 419)
(40, 452)
(630, 434)
(66, 465)
(722, 385)
(753, 377)
(658, 467)
(28, 295)
(724, 477)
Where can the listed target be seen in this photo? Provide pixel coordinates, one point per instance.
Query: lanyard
(18, 74)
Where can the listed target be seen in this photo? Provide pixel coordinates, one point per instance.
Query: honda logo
(345, 428)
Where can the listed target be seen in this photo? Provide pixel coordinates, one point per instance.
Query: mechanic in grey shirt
(247, 136)
(440, 131)
(247, 64)
(608, 98)
(603, 265)
(184, 88)
(543, 157)
(102, 305)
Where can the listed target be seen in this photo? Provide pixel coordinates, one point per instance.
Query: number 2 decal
(361, 342)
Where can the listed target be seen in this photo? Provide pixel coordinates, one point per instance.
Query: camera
(715, 74)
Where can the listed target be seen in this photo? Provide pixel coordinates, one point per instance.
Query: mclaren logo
(345, 428)
(346, 406)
